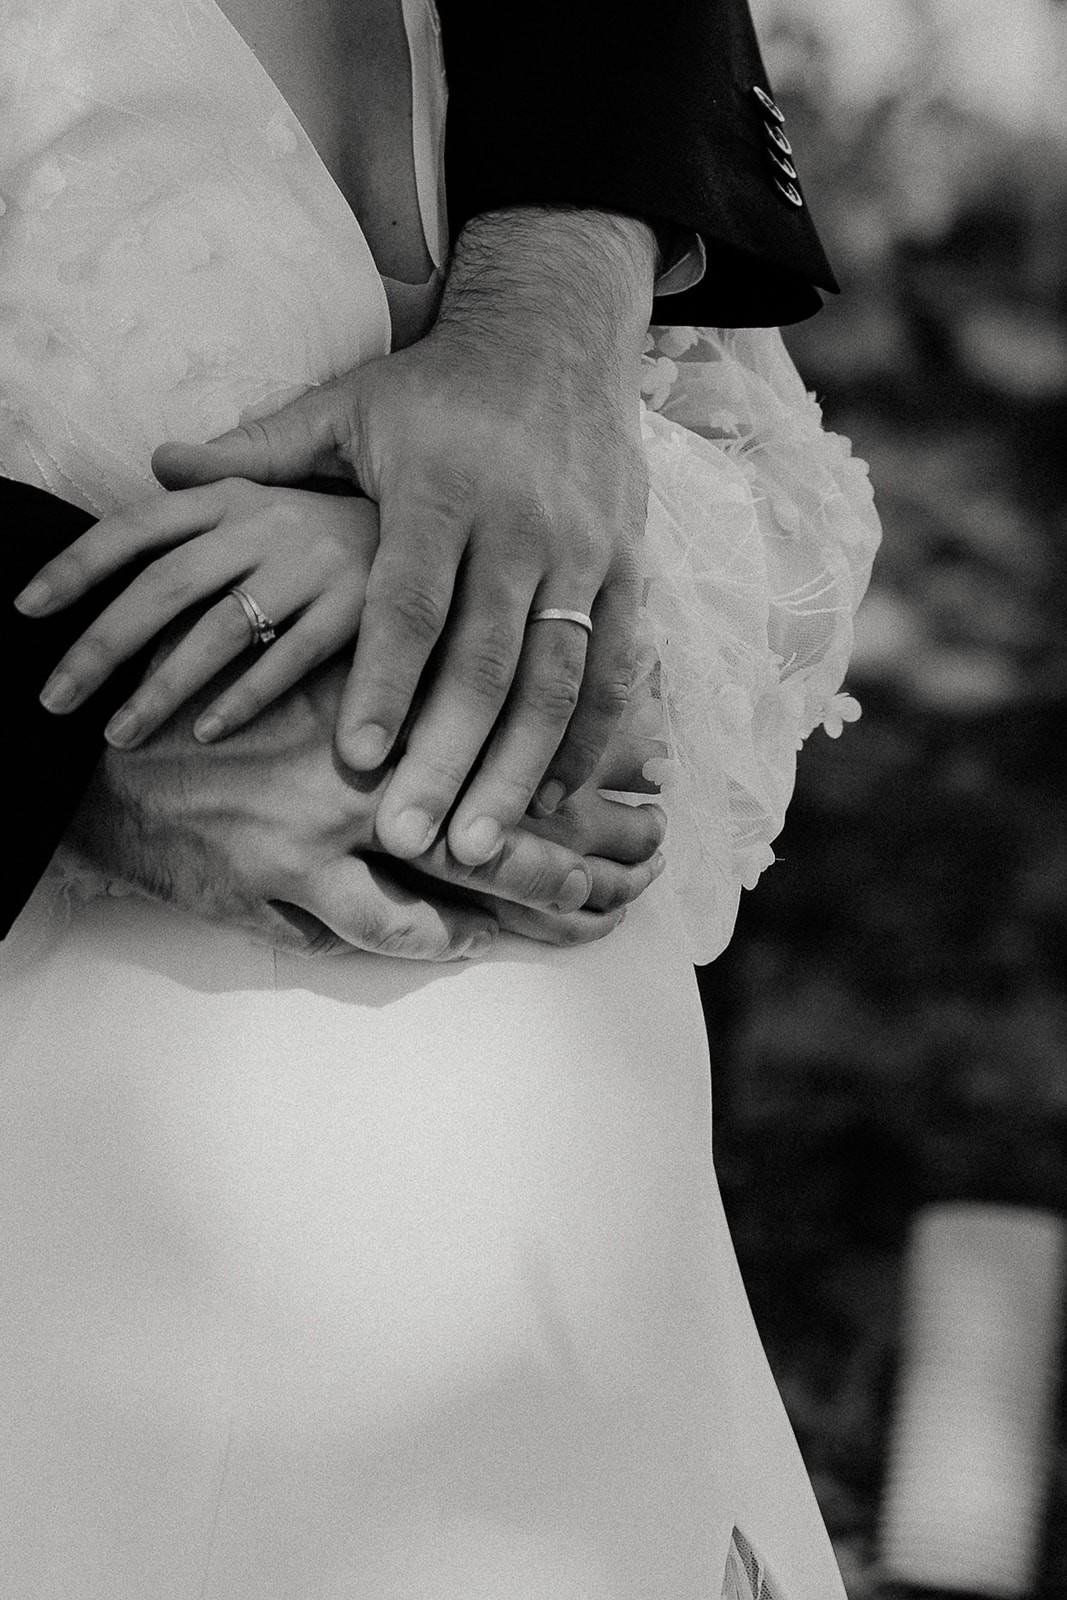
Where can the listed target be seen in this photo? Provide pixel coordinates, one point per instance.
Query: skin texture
(267, 831)
(504, 453)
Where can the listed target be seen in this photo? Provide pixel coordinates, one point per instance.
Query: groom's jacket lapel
(49, 759)
(579, 102)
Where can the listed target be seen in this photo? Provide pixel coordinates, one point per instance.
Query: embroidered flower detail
(676, 341)
(658, 377)
(842, 708)
(752, 863)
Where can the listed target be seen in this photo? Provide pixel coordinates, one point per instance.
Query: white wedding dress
(360, 1279)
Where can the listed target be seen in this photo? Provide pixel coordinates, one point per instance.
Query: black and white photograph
(533, 933)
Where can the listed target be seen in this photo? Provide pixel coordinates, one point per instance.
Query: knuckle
(538, 883)
(609, 696)
(437, 775)
(585, 544)
(578, 755)
(404, 937)
(420, 611)
(450, 491)
(533, 517)
(174, 578)
(554, 697)
(488, 666)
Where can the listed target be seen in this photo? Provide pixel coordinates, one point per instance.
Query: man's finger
(527, 870)
(597, 826)
(301, 440)
(541, 703)
(455, 720)
(360, 904)
(605, 691)
(409, 593)
(551, 927)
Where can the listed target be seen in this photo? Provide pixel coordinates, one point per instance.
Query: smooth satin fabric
(362, 1278)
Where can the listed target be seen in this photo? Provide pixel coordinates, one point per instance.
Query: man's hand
(505, 454)
(265, 830)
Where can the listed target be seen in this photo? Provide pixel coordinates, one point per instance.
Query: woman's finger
(605, 690)
(221, 635)
(409, 594)
(541, 703)
(178, 580)
(469, 688)
(156, 523)
(317, 635)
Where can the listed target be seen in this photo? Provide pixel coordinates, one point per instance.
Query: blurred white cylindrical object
(969, 1445)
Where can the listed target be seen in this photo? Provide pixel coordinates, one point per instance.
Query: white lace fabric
(175, 257)
(760, 538)
(173, 254)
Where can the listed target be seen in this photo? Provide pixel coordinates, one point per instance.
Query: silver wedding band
(556, 614)
(263, 629)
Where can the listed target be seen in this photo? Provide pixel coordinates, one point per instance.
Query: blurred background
(890, 1022)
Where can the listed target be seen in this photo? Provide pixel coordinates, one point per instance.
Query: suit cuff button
(791, 192)
(767, 103)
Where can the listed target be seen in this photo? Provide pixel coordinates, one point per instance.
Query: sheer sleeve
(760, 538)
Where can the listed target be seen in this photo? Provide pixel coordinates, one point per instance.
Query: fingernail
(34, 597)
(413, 831)
(659, 812)
(550, 794)
(208, 727)
(368, 747)
(483, 838)
(480, 945)
(575, 891)
(656, 865)
(123, 727)
(59, 693)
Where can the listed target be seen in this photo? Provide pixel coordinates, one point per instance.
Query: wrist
(590, 273)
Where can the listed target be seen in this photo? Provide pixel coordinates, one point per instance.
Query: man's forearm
(588, 275)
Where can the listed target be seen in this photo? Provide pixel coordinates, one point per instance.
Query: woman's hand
(504, 451)
(304, 558)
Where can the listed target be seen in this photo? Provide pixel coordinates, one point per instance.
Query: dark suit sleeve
(652, 114)
(49, 759)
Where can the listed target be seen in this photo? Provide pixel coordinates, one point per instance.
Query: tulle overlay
(760, 538)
